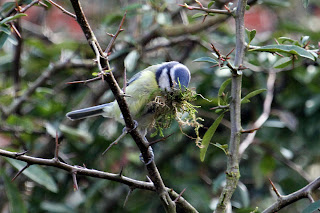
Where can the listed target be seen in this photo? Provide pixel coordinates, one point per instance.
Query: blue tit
(141, 89)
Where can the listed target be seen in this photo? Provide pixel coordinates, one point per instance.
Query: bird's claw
(150, 159)
(128, 130)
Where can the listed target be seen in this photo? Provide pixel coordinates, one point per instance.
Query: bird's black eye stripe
(169, 76)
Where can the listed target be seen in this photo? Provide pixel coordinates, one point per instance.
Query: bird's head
(172, 75)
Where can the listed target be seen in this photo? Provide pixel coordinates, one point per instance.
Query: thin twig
(22, 10)
(86, 81)
(74, 179)
(127, 197)
(62, 9)
(115, 142)
(275, 189)
(207, 10)
(181, 193)
(114, 37)
(160, 140)
(24, 168)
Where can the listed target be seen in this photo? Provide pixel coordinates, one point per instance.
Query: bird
(141, 89)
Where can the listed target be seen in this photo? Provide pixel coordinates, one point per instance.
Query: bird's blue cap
(170, 74)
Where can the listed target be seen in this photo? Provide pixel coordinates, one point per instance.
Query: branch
(154, 174)
(207, 10)
(265, 114)
(233, 173)
(46, 74)
(79, 170)
(284, 201)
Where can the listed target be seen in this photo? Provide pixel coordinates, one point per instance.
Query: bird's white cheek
(164, 83)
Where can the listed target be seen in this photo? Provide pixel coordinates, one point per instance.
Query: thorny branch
(233, 173)
(154, 174)
(285, 200)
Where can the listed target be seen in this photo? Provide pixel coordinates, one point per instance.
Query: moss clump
(176, 105)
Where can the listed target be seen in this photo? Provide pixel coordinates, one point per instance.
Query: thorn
(127, 197)
(250, 130)
(176, 200)
(275, 189)
(85, 81)
(204, 18)
(229, 53)
(24, 168)
(149, 179)
(278, 54)
(21, 153)
(227, 8)
(276, 41)
(110, 34)
(15, 30)
(121, 171)
(242, 67)
(159, 140)
(116, 141)
(74, 179)
(220, 107)
(215, 65)
(306, 45)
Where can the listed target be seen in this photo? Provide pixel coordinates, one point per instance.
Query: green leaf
(282, 40)
(250, 34)
(5, 29)
(206, 59)
(283, 62)
(11, 18)
(305, 3)
(208, 135)
(251, 94)
(291, 49)
(222, 88)
(14, 196)
(197, 15)
(7, 6)
(312, 207)
(247, 7)
(3, 38)
(211, 3)
(223, 147)
(35, 173)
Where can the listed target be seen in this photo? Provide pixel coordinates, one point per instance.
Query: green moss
(176, 105)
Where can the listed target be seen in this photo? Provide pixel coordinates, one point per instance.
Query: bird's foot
(150, 154)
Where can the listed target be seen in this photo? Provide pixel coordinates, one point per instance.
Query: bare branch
(79, 170)
(233, 172)
(154, 174)
(62, 9)
(293, 197)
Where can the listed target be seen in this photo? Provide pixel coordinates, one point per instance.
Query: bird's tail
(89, 112)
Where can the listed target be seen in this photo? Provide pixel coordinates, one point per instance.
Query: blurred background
(53, 50)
